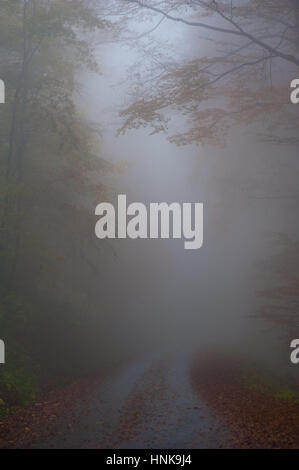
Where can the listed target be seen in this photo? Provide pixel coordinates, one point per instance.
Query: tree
(256, 56)
(41, 100)
(50, 154)
(280, 298)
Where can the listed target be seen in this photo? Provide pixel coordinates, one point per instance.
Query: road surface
(148, 405)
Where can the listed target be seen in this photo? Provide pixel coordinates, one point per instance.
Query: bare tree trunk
(15, 160)
(295, 6)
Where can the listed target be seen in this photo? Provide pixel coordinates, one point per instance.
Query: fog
(158, 295)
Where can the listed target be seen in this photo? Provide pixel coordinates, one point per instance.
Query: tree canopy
(255, 56)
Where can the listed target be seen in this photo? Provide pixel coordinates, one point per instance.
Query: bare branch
(237, 31)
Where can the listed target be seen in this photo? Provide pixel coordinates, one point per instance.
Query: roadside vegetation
(49, 157)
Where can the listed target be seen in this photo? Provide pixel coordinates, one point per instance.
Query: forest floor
(169, 402)
(148, 404)
(24, 427)
(258, 409)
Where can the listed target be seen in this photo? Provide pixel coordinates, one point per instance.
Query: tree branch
(239, 31)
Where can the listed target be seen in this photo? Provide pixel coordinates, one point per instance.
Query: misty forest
(172, 100)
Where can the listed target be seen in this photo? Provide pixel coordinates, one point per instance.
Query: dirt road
(150, 404)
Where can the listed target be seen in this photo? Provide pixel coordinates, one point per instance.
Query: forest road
(148, 405)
